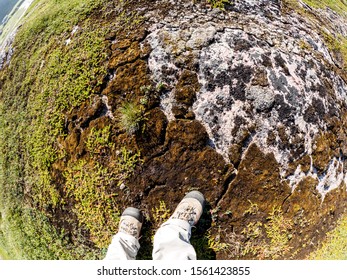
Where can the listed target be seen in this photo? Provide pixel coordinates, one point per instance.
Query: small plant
(277, 230)
(218, 3)
(126, 163)
(214, 242)
(144, 100)
(131, 115)
(161, 213)
(146, 89)
(87, 184)
(99, 140)
(252, 210)
(304, 45)
(214, 214)
(252, 230)
(267, 240)
(160, 86)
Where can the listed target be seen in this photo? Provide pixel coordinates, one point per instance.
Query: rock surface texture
(246, 105)
(256, 109)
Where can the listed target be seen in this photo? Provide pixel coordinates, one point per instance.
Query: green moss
(160, 214)
(265, 240)
(218, 3)
(214, 242)
(277, 230)
(339, 6)
(52, 71)
(63, 77)
(88, 184)
(28, 234)
(336, 43)
(91, 186)
(334, 247)
(99, 141)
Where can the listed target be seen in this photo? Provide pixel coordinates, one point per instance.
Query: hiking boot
(190, 208)
(131, 222)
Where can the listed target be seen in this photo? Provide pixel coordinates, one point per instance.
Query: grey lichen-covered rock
(268, 85)
(254, 72)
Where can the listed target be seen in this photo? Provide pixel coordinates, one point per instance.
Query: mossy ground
(339, 6)
(337, 43)
(67, 169)
(54, 69)
(335, 246)
(64, 163)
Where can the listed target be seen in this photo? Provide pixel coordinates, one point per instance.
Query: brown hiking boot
(190, 208)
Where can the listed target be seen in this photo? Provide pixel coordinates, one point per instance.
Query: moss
(339, 6)
(336, 43)
(268, 239)
(338, 46)
(99, 141)
(334, 247)
(52, 71)
(93, 186)
(218, 4)
(160, 214)
(88, 185)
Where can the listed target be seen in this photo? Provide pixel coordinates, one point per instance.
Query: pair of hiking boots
(189, 209)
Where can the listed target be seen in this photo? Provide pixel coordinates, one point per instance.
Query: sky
(5, 7)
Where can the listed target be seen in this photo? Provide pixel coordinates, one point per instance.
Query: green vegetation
(60, 60)
(160, 214)
(87, 184)
(335, 245)
(336, 43)
(275, 229)
(131, 116)
(339, 6)
(99, 141)
(218, 3)
(214, 242)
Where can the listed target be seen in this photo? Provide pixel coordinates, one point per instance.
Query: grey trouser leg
(171, 241)
(122, 247)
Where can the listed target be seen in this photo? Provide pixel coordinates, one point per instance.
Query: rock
(262, 99)
(265, 104)
(201, 37)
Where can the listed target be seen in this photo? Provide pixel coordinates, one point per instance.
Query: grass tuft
(131, 116)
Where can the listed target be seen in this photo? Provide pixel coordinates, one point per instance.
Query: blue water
(5, 8)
